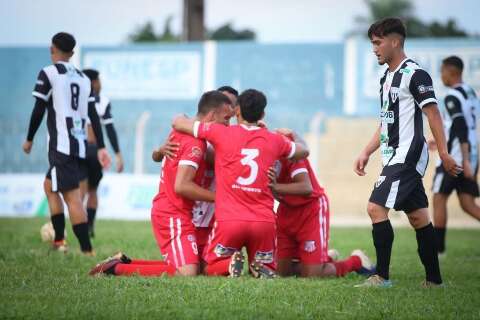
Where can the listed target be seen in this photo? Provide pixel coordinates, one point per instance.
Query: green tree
(145, 33)
(226, 32)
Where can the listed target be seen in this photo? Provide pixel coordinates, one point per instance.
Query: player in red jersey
(244, 203)
(303, 225)
(172, 206)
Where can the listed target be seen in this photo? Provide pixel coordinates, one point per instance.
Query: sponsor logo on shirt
(405, 70)
(387, 116)
(309, 246)
(450, 105)
(264, 256)
(195, 153)
(422, 89)
(394, 91)
(191, 238)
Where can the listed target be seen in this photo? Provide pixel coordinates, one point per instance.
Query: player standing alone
(65, 93)
(406, 93)
(459, 116)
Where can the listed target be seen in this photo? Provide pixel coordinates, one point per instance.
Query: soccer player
(104, 110)
(459, 118)
(303, 225)
(180, 182)
(65, 93)
(244, 203)
(406, 93)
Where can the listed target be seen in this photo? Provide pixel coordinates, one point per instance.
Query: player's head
(387, 37)
(252, 105)
(94, 77)
(232, 94)
(214, 106)
(62, 47)
(451, 70)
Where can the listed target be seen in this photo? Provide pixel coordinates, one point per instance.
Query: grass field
(37, 283)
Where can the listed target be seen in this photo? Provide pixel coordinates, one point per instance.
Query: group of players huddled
(219, 180)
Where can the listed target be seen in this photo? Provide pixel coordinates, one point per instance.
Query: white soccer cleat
(368, 268)
(333, 254)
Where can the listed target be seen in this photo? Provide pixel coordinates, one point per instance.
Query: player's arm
(459, 130)
(186, 187)
(362, 160)
(299, 148)
(421, 88)
(168, 149)
(107, 120)
(35, 121)
(183, 124)
(301, 185)
(102, 153)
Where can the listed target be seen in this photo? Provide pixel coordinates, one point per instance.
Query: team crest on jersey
(450, 105)
(191, 238)
(394, 91)
(424, 89)
(379, 181)
(195, 153)
(309, 246)
(264, 256)
(222, 251)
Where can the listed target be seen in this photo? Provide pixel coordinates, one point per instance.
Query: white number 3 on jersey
(248, 160)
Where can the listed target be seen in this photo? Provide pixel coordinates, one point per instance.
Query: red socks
(219, 268)
(343, 267)
(146, 268)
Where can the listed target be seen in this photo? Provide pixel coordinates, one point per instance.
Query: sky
(109, 22)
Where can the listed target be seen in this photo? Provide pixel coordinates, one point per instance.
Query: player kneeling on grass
(172, 207)
(244, 203)
(303, 224)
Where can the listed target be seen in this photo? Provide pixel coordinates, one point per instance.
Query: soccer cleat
(368, 268)
(60, 246)
(259, 270)
(121, 256)
(430, 284)
(442, 255)
(236, 265)
(105, 267)
(90, 253)
(375, 281)
(333, 254)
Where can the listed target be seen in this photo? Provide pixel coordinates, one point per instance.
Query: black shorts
(400, 187)
(94, 168)
(445, 183)
(65, 171)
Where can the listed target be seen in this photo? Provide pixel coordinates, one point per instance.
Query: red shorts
(230, 236)
(202, 234)
(303, 232)
(176, 239)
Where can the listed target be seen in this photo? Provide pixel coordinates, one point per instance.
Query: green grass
(37, 283)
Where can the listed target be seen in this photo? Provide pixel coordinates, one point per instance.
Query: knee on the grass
(188, 270)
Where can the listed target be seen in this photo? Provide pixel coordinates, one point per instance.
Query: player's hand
(104, 158)
(272, 177)
(27, 146)
(169, 149)
(261, 124)
(467, 170)
(432, 145)
(450, 165)
(360, 164)
(119, 162)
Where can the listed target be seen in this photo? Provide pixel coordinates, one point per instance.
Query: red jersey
(286, 170)
(191, 153)
(242, 158)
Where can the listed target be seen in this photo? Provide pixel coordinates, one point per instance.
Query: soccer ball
(47, 233)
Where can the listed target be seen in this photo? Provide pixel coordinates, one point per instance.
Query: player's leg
(286, 244)
(467, 202)
(261, 249)
(57, 215)
(223, 256)
(95, 174)
(92, 205)
(121, 265)
(443, 185)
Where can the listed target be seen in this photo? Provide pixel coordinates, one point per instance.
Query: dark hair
(64, 42)
(252, 104)
(211, 100)
(454, 61)
(229, 90)
(92, 74)
(387, 26)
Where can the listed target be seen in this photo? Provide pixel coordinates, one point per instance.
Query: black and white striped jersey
(104, 109)
(403, 94)
(459, 114)
(67, 92)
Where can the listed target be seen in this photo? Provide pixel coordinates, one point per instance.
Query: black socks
(81, 231)
(427, 250)
(383, 239)
(58, 222)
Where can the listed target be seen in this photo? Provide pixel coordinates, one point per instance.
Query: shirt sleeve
(192, 153)
(285, 146)
(421, 88)
(212, 132)
(107, 116)
(43, 88)
(297, 167)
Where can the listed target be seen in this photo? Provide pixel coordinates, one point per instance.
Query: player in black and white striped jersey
(406, 93)
(459, 117)
(94, 168)
(65, 93)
